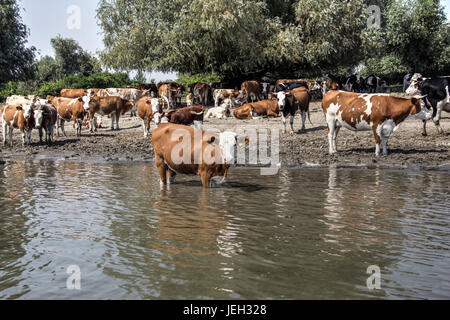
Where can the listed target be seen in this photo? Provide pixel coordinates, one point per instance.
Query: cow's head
(227, 142)
(419, 111)
(39, 114)
(86, 101)
(315, 86)
(28, 112)
(414, 86)
(283, 97)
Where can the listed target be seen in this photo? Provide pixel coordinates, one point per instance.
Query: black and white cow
(437, 96)
(287, 86)
(371, 83)
(355, 83)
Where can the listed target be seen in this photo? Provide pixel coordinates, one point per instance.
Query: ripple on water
(307, 233)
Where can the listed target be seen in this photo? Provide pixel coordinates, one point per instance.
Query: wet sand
(407, 147)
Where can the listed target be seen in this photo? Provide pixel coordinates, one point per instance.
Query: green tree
(71, 57)
(415, 38)
(234, 38)
(15, 57)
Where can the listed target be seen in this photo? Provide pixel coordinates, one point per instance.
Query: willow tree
(235, 38)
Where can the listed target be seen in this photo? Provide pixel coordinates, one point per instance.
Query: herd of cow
(343, 106)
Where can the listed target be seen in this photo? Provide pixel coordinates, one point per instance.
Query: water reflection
(300, 234)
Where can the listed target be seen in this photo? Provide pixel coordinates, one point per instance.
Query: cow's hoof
(424, 134)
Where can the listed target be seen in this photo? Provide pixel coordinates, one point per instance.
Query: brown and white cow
(20, 117)
(147, 108)
(185, 116)
(129, 94)
(244, 112)
(251, 90)
(177, 151)
(328, 86)
(73, 93)
(190, 100)
(113, 106)
(291, 101)
(380, 113)
(234, 96)
(201, 93)
(172, 92)
(46, 116)
(68, 110)
(264, 108)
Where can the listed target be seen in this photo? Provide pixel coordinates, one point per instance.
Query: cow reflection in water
(358, 200)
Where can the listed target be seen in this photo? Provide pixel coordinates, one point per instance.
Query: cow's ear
(211, 140)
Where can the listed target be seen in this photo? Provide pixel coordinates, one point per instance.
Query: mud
(407, 147)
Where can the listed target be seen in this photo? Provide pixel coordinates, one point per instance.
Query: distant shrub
(187, 80)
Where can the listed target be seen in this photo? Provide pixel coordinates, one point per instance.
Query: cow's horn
(420, 97)
(197, 114)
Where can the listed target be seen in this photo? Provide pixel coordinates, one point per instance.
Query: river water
(301, 234)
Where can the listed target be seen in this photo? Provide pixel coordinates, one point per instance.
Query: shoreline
(407, 148)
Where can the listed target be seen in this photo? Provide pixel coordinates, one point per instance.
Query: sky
(48, 18)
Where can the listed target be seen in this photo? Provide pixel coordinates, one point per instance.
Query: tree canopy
(15, 57)
(233, 38)
(416, 38)
(71, 57)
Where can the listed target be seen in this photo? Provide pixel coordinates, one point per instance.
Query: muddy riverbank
(407, 147)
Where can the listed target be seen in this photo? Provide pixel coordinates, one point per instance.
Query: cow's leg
(4, 128)
(206, 180)
(117, 120)
(331, 130)
(377, 141)
(147, 127)
(291, 121)
(144, 127)
(424, 133)
(40, 135)
(283, 119)
(170, 175)
(51, 134)
(304, 113)
(29, 137)
(11, 128)
(92, 127)
(113, 119)
(437, 118)
(162, 170)
(335, 134)
(62, 127)
(23, 137)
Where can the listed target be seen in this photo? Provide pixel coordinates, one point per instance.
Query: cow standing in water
(380, 113)
(209, 157)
